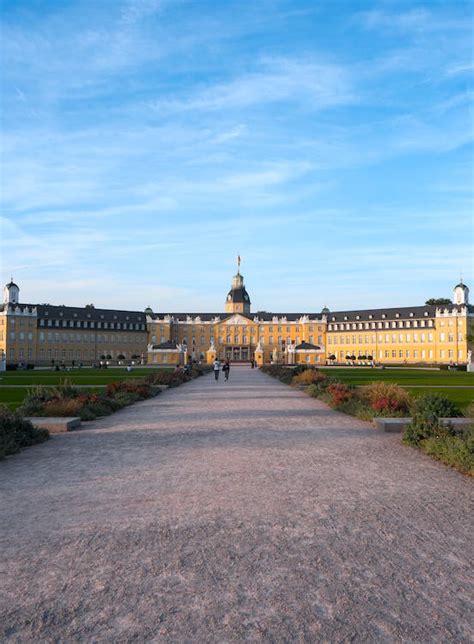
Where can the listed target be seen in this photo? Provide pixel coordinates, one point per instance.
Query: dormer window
(397, 315)
(383, 316)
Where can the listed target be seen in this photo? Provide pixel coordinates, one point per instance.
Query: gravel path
(233, 511)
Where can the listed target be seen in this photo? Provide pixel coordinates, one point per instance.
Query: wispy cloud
(319, 85)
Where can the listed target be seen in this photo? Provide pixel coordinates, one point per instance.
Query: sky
(147, 143)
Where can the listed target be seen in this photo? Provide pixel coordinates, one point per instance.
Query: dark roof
(389, 314)
(461, 285)
(165, 345)
(306, 346)
(10, 284)
(50, 312)
(74, 313)
(238, 295)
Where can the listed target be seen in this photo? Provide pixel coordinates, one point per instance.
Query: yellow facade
(43, 335)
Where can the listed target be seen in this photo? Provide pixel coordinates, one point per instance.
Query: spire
(238, 264)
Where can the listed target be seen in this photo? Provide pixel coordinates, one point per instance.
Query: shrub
(16, 432)
(427, 411)
(469, 412)
(141, 388)
(456, 451)
(124, 398)
(339, 393)
(433, 406)
(357, 407)
(387, 399)
(57, 407)
(170, 378)
(421, 428)
(308, 377)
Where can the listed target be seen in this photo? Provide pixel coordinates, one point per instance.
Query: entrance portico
(238, 354)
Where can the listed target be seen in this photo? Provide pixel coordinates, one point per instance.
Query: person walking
(226, 369)
(216, 366)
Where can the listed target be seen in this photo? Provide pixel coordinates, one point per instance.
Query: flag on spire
(238, 261)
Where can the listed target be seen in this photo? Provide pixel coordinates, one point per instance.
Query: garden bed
(423, 411)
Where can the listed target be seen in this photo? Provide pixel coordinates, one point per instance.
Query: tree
(438, 301)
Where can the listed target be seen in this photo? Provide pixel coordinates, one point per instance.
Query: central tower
(238, 300)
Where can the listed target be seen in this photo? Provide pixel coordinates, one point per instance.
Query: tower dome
(11, 293)
(461, 294)
(237, 300)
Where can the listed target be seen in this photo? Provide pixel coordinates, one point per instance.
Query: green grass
(13, 397)
(76, 376)
(403, 377)
(461, 397)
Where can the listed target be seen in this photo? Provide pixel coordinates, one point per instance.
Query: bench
(57, 424)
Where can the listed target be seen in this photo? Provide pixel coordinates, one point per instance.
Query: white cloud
(319, 85)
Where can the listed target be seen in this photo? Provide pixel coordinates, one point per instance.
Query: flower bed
(68, 400)
(425, 432)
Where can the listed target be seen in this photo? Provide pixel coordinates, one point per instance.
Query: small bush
(421, 428)
(387, 398)
(355, 406)
(456, 451)
(59, 407)
(16, 432)
(126, 398)
(308, 377)
(433, 406)
(340, 393)
(141, 388)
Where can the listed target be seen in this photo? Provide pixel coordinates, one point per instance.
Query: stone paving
(220, 512)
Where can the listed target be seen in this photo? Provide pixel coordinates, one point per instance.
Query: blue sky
(148, 142)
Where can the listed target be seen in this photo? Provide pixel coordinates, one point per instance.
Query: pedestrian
(216, 366)
(226, 369)
(252, 363)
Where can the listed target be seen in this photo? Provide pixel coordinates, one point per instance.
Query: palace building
(43, 334)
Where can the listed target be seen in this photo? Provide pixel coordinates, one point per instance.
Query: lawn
(458, 386)
(403, 377)
(76, 376)
(12, 397)
(459, 396)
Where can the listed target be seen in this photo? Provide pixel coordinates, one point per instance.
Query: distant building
(41, 334)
